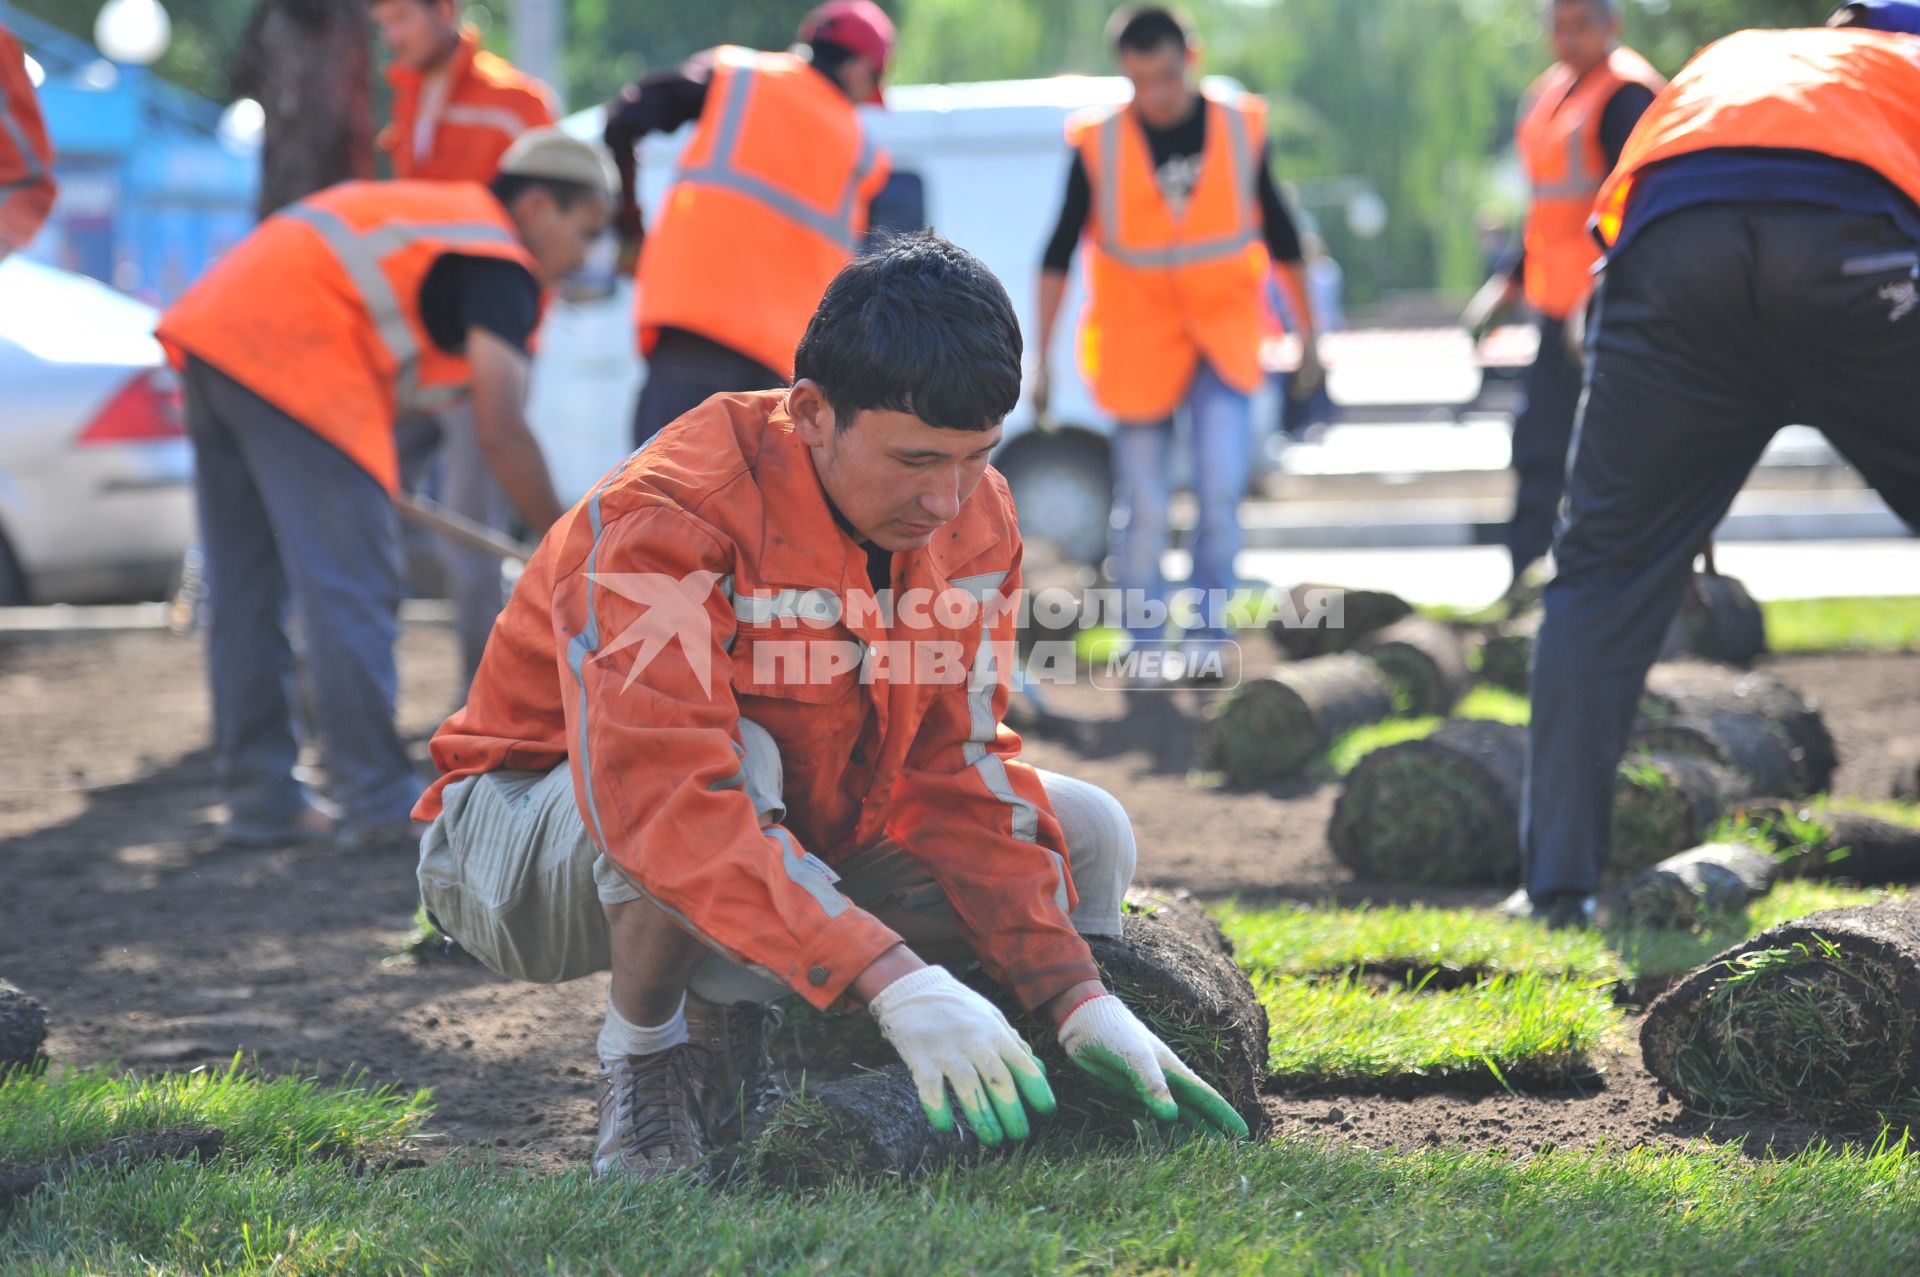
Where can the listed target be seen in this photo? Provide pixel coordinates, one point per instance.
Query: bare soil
(152, 947)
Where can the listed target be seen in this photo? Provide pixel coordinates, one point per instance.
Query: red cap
(861, 27)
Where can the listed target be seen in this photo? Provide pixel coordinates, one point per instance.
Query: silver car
(96, 475)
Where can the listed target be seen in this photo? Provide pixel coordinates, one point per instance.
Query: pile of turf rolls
(1696, 690)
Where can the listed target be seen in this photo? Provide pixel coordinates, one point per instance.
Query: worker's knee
(1101, 852)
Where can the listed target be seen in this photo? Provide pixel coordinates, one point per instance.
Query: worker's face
(559, 237)
(419, 33)
(859, 79)
(1581, 32)
(1163, 82)
(895, 478)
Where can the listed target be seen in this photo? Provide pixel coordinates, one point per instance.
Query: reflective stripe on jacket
(489, 102)
(26, 158)
(706, 580)
(769, 203)
(1559, 143)
(1851, 94)
(318, 310)
(1164, 290)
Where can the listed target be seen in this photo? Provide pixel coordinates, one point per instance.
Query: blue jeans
(1221, 419)
(289, 522)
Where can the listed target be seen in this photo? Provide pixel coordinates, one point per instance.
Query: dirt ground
(153, 947)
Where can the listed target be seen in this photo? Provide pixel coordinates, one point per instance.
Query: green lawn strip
(1293, 1207)
(282, 1120)
(1522, 1029)
(1493, 703)
(1664, 954)
(1843, 624)
(1303, 940)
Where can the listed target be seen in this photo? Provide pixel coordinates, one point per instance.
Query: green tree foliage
(1414, 97)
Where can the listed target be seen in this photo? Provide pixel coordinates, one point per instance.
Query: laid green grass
(1211, 1207)
(1524, 1028)
(1486, 702)
(283, 1120)
(1843, 624)
(1301, 940)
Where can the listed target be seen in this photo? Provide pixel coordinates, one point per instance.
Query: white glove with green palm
(951, 1036)
(1108, 1043)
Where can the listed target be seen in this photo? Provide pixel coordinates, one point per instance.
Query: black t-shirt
(462, 293)
(1176, 156)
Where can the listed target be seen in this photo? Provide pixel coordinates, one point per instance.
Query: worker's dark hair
(508, 187)
(919, 325)
(828, 57)
(1143, 28)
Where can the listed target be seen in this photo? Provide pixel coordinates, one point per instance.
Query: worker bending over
(772, 197)
(26, 158)
(1763, 268)
(456, 109)
(1574, 121)
(739, 732)
(300, 350)
(1184, 228)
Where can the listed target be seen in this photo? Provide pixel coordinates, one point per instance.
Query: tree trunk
(309, 64)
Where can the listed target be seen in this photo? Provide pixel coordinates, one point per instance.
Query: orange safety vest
(318, 310)
(1559, 143)
(1164, 290)
(1851, 94)
(489, 103)
(26, 158)
(769, 203)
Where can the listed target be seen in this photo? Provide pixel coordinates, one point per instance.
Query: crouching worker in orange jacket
(738, 732)
(299, 351)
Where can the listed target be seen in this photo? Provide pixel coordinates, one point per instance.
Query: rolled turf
(1696, 886)
(1664, 804)
(1719, 621)
(1754, 748)
(23, 1031)
(1826, 842)
(1818, 1020)
(1697, 690)
(1268, 728)
(1362, 613)
(1193, 996)
(1506, 653)
(1425, 661)
(1443, 810)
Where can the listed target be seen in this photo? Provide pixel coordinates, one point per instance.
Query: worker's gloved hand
(1488, 306)
(1306, 380)
(1108, 1042)
(950, 1036)
(1042, 394)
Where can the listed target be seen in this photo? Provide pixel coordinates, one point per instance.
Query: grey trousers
(1715, 327)
(509, 871)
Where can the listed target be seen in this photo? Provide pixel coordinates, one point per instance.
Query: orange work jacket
(706, 580)
(1165, 291)
(489, 102)
(1851, 94)
(26, 158)
(318, 310)
(769, 203)
(1559, 142)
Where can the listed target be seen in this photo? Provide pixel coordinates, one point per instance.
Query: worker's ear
(812, 415)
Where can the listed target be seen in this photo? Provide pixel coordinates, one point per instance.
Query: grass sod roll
(1359, 612)
(1818, 1019)
(1195, 998)
(1719, 620)
(23, 1032)
(1833, 842)
(1268, 728)
(1696, 690)
(1443, 810)
(1425, 661)
(1754, 748)
(1664, 804)
(1683, 891)
(1506, 653)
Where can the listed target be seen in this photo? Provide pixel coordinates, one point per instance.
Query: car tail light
(146, 410)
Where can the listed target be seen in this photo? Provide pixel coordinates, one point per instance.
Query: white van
(991, 162)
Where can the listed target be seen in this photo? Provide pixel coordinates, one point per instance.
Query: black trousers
(686, 370)
(1713, 329)
(1542, 432)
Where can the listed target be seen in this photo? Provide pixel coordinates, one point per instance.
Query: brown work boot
(649, 1120)
(733, 1075)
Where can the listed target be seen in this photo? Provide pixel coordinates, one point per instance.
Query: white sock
(619, 1038)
